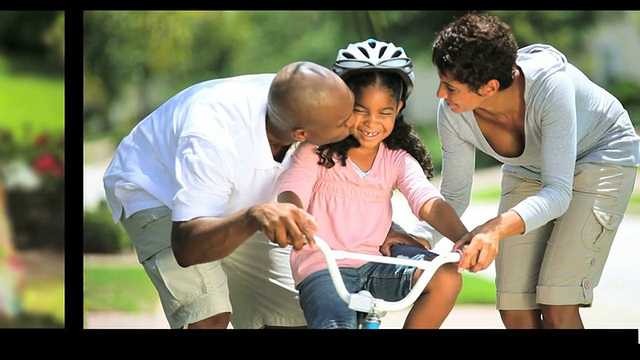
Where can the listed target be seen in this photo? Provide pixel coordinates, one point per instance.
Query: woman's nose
(440, 92)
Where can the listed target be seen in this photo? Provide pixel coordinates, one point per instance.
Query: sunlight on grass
(113, 288)
(634, 207)
(45, 297)
(493, 194)
(33, 104)
(109, 288)
(486, 194)
(127, 289)
(20, 93)
(476, 289)
(634, 204)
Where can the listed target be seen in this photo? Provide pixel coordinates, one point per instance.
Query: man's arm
(207, 239)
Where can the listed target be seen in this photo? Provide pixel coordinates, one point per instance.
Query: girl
(352, 202)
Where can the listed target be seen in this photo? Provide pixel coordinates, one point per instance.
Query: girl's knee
(450, 273)
(446, 277)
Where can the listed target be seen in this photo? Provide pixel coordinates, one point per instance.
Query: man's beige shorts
(254, 283)
(561, 262)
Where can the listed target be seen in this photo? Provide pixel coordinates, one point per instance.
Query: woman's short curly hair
(476, 48)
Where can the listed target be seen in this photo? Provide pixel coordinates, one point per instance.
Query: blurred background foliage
(36, 38)
(32, 127)
(32, 56)
(135, 60)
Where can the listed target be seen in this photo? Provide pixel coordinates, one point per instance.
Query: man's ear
(299, 135)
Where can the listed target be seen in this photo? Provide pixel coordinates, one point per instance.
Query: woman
(570, 154)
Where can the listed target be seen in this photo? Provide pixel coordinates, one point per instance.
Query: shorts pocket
(154, 217)
(509, 183)
(184, 284)
(517, 184)
(598, 235)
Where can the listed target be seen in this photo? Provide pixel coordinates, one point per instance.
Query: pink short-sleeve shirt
(354, 213)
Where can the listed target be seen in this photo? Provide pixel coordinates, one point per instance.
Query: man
(192, 185)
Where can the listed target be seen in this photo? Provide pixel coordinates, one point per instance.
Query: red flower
(48, 164)
(42, 140)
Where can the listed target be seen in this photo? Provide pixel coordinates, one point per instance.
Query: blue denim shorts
(324, 309)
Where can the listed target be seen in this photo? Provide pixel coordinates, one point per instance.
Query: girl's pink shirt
(353, 213)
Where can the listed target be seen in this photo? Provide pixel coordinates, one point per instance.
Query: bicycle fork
(371, 321)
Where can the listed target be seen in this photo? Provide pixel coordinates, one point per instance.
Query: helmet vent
(364, 52)
(382, 50)
(373, 55)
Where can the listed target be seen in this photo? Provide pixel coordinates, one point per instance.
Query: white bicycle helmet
(375, 55)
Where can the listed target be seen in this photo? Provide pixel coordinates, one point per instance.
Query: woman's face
(375, 111)
(457, 95)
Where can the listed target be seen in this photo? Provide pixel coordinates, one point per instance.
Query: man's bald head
(311, 98)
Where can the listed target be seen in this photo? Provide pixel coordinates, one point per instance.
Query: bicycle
(371, 310)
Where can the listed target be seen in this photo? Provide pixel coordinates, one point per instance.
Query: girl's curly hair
(402, 137)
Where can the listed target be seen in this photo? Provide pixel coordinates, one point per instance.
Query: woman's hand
(478, 251)
(480, 246)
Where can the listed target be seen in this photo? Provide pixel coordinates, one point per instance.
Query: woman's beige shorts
(561, 262)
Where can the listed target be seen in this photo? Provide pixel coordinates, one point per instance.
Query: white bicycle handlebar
(364, 301)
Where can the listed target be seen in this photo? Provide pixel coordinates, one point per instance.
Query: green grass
(486, 194)
(493, 194)
(127, 289)
(634, 204)
(42, 305)
(31, 104)
(111, 288)
(476, 289)
(46, 298)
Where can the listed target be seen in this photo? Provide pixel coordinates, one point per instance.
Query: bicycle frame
(363, 301)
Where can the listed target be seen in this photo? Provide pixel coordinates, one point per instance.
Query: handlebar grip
(461, 256)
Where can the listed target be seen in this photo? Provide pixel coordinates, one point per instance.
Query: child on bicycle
(352, 202)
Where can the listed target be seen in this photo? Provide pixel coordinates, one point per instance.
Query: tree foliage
(36, 37)
(135, 60)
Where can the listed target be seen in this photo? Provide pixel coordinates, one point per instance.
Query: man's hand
(397, 235)
(285, 224)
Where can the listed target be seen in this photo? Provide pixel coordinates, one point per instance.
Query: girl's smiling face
(374, 111)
